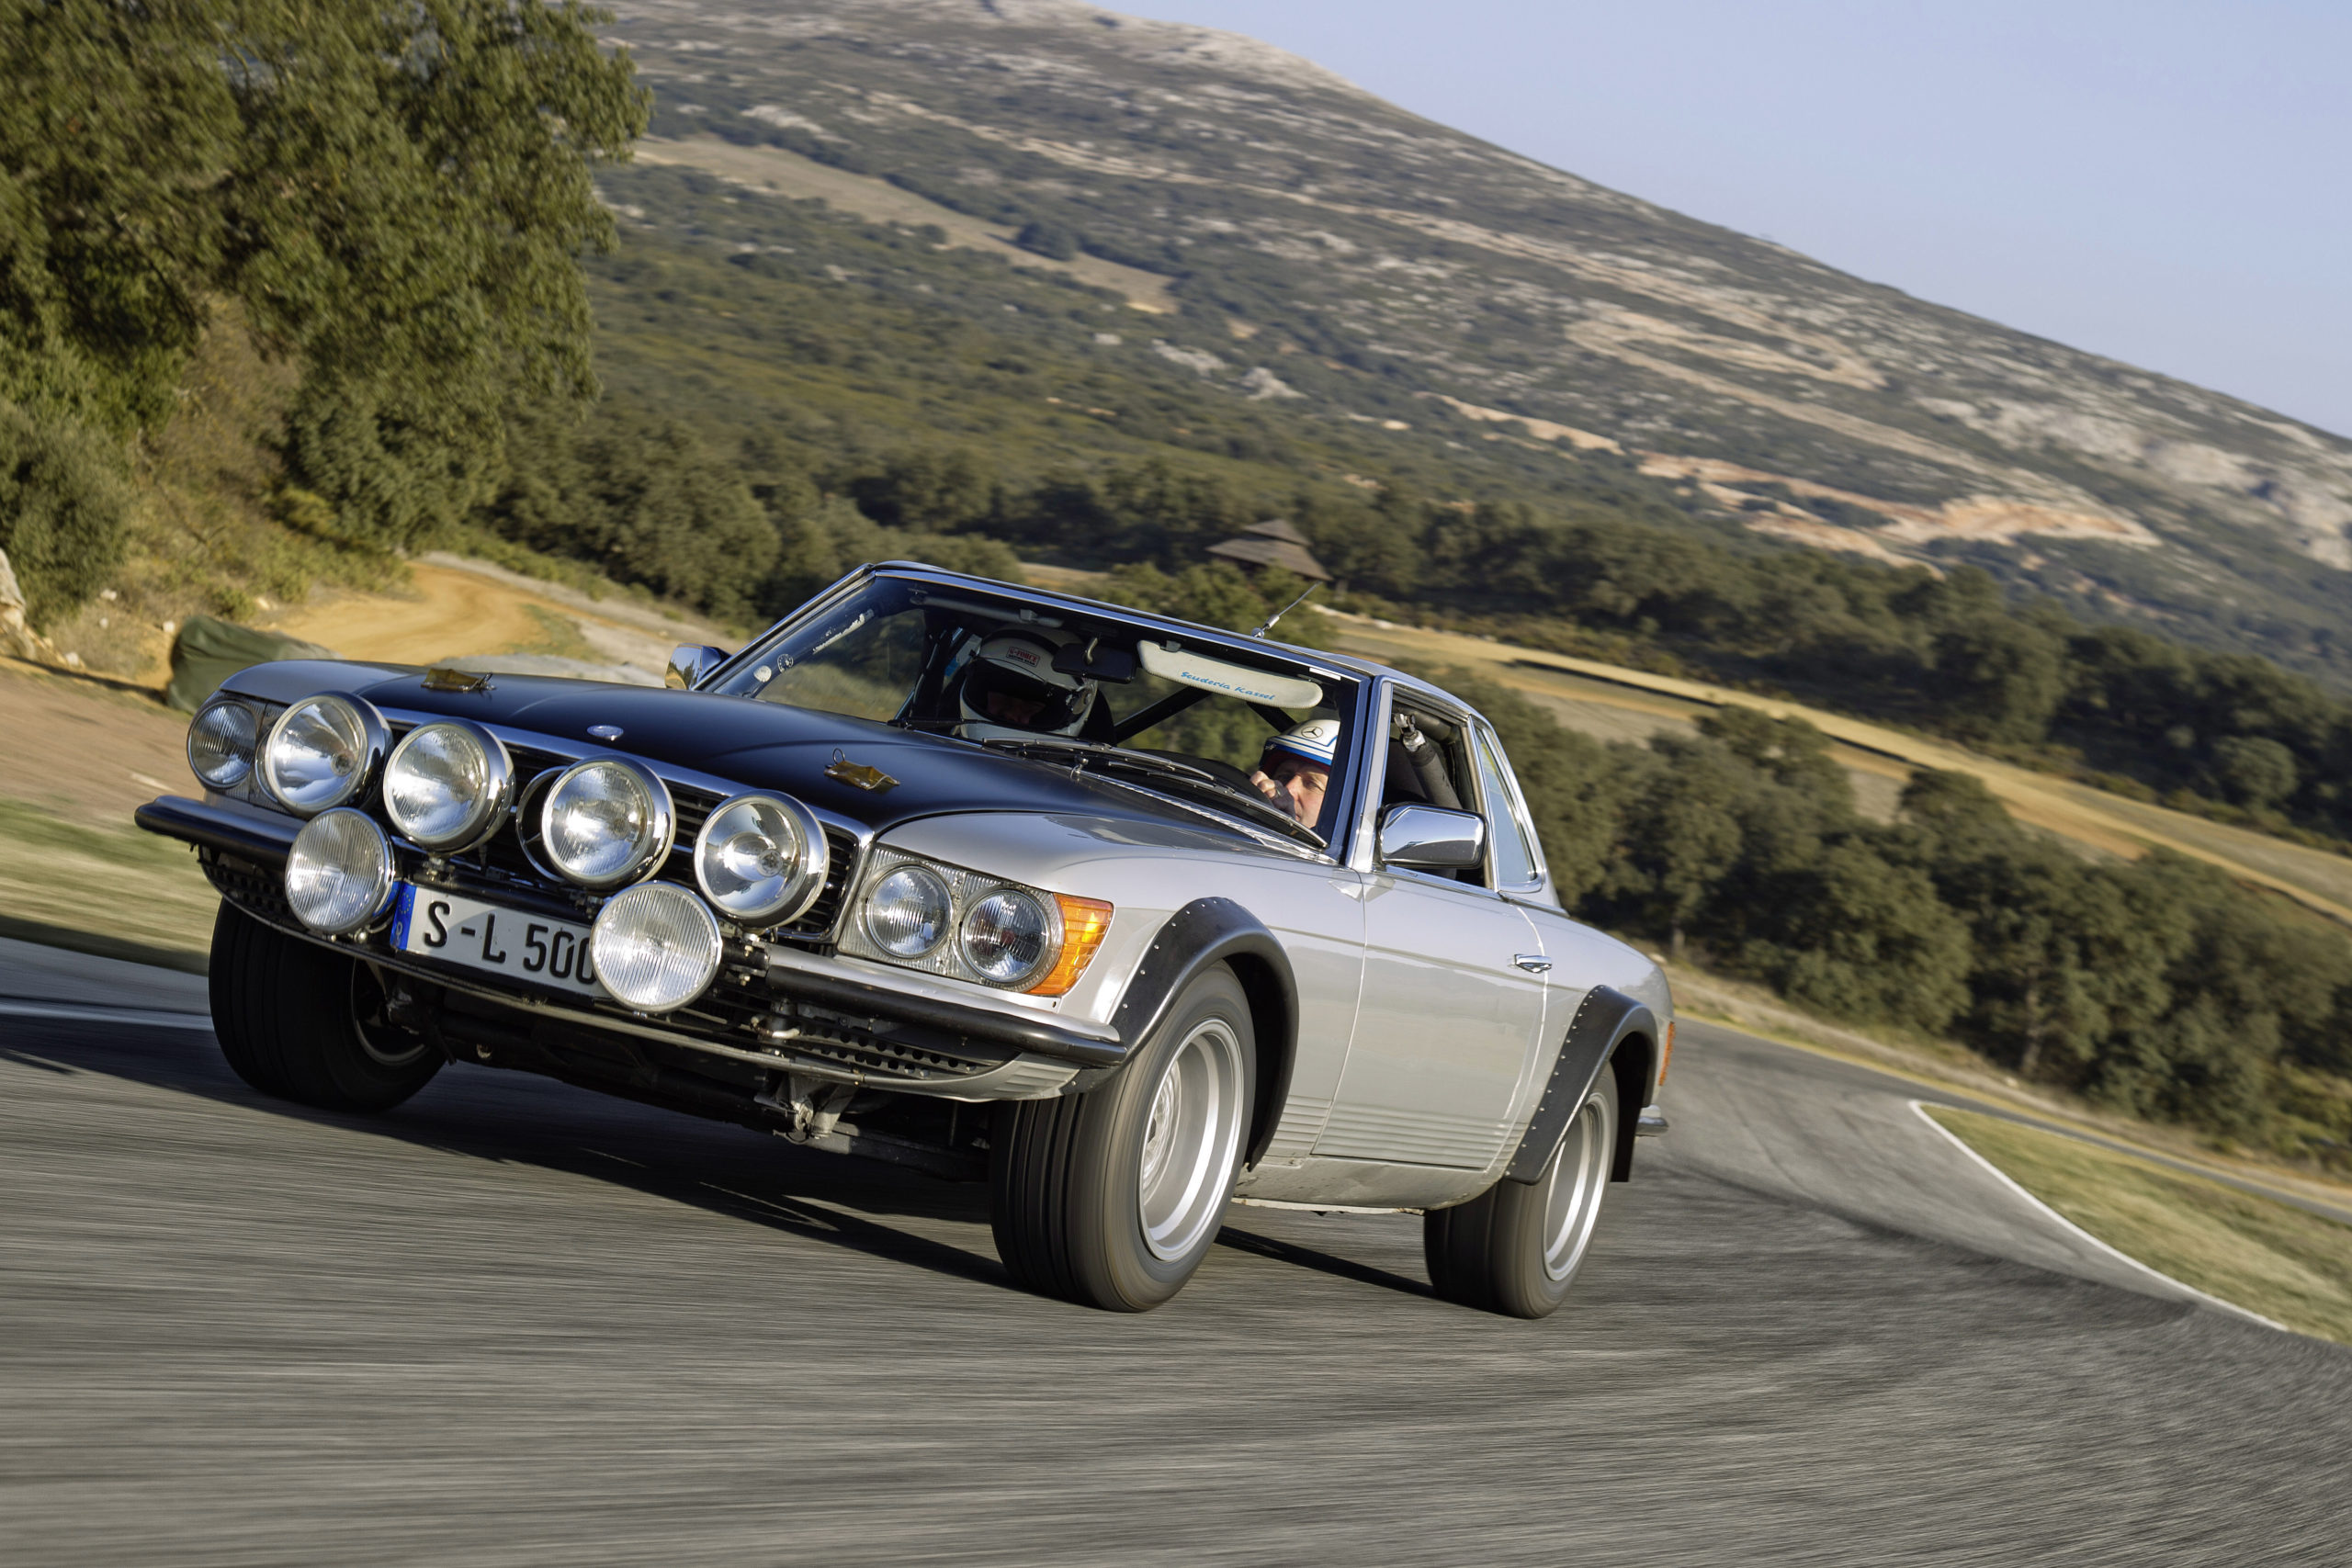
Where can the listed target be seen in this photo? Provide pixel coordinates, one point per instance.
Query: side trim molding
(1602, 1019)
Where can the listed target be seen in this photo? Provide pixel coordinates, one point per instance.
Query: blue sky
(2166, 182)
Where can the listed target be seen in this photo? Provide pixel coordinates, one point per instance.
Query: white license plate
(432, 923)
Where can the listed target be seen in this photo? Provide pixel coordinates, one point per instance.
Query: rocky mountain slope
(1329, 251)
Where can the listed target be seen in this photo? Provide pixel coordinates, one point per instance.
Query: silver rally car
(1128, 917)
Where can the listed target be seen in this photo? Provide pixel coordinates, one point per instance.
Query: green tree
(114, 134)
(823, 539)
(398, 195)
(1789, 751)
(1682, 833)
(1954, 813)
(936, 492)
(1860, 938)
(2247, 987)
(1168, 514)
(62, 505)
(2067, 958)
(642, 499)
(1046, 238)
(2255, 771)
(1999, 678)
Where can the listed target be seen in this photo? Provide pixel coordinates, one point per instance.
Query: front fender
(1218, 931)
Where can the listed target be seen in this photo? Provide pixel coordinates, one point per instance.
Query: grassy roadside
(2288, 1265)
(115, 892)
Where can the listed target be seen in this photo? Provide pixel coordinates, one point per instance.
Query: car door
(1451, 1016)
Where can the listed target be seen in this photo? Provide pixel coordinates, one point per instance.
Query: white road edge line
(153, 1018)
(2004, 1178)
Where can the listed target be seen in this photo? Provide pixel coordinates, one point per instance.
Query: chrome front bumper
(1048, 1056)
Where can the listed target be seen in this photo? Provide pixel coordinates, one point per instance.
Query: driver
(1295, 769)
(1010, 690)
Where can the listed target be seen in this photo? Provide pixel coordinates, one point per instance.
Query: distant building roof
(1276, 528)
(1273, 543)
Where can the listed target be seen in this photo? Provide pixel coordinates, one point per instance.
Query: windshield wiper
(1165, 770)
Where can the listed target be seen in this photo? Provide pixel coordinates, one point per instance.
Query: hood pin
(857, 774)
(606, 732)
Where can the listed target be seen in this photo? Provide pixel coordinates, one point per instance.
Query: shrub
(642, 499)
(1048, 239)
(64, 506)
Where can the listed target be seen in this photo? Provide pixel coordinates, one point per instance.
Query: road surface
(515, 1323)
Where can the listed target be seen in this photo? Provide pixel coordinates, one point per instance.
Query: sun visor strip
(1189, 667)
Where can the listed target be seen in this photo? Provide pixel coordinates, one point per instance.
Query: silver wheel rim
(1188, 1140)
(1579, 1177)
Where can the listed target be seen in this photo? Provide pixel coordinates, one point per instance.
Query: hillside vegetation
(1385, 268)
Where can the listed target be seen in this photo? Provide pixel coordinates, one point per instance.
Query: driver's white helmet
(1012, 673)
(1317, 740)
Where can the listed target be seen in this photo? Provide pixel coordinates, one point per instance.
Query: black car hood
(758, 745)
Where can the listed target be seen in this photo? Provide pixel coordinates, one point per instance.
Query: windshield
(1257, 735)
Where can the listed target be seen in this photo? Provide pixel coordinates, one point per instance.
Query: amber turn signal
(1084, 923)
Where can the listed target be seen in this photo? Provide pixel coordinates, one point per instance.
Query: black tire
(1081, 1207)
(1509, 1249)
(301, 1022)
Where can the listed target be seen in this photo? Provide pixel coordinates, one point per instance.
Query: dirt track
(453, 612)
(84, 748)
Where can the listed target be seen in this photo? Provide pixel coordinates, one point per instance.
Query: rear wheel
(1111, 1198)
(301, 1022)
(1516, 1247)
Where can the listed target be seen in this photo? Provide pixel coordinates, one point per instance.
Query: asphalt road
(513, 1323)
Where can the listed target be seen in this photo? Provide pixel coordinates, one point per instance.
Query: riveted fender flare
(1604, 1018)
(1218, 931)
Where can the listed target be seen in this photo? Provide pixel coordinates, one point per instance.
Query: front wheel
(1516, 1246)
(1112, 1198)
(299, 1022)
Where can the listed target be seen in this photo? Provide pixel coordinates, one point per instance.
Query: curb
(101, 945)
(1920, 1108)
(151, 1017)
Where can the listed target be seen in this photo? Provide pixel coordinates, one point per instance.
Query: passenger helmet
(1317, 740)
(1013, 672)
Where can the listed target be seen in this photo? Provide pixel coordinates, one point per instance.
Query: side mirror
(1430, 837)
(689, 665)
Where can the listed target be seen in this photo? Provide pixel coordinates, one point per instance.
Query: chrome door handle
(1533, 962)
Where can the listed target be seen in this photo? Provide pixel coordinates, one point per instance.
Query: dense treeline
(2158, 986)
(644, 500)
